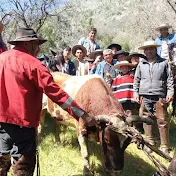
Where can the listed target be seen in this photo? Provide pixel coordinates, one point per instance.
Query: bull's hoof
(87, 172)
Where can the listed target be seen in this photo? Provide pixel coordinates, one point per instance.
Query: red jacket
(23, 80)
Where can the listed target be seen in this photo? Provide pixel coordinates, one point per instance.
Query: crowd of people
(138, 81)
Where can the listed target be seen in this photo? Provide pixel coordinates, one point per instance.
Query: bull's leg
(57, 131)
(83, 142)
(85, 154)
(41, 125)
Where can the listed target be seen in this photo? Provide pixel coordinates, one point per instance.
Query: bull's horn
(107, 119)
(138, 119)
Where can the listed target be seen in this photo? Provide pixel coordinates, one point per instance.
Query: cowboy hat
(163, 26)
(53, 51)
(83, 49)
(26, 34)
(147, 44)
(89, 59)
(120, 52)
(114, 45)
(133, 54)
(123, 63)
(96, 52)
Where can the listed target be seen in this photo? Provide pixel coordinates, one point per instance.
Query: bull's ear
(128, 113)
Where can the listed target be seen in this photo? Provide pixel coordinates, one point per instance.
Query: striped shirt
(122, 88)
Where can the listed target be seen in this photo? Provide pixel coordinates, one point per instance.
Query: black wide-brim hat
(120, 52)
(93, 54)
(115, 45)
(135, 54)
(26, 34)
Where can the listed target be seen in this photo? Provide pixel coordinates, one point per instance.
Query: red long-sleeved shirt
(23, 80)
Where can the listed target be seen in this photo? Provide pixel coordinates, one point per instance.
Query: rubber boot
(5, 164)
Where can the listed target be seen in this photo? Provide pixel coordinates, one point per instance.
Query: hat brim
(117, 66)
(54, 53)
(40, 40)
(94, 53)
(81, 47)
(124, 53)
(89, 59)
(117, 46)
(135, 54)
(161, 27)
(147, 46)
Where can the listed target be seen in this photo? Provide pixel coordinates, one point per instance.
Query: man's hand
(89, 120)
(168, 99)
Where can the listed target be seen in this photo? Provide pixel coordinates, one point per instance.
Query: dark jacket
(69, 68)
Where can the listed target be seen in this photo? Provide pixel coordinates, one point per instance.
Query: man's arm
(170, 83)
(137, 79)
(45, 83)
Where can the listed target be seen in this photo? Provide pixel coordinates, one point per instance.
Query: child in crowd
(122, 86)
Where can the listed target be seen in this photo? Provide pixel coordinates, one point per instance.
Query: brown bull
(96, 98)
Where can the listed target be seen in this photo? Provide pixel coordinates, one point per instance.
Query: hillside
(128, 22)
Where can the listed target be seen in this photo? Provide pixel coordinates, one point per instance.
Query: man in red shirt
(23, 80)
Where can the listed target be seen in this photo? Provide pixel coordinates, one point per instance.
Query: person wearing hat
(164, 39)
(122, 85)
(97, 57)
(89, 43)
(134, 58)
(114, 47)
(23, 81)
(153, 88)
(121, 55)
(82, 66)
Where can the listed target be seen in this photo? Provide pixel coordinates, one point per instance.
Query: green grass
(64, 159)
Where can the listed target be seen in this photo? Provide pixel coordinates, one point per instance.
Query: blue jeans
(150, 103)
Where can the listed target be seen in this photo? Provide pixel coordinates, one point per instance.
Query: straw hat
(123, 63)
(26, 34)
(147, 44)
(163, 26)
(79, 47)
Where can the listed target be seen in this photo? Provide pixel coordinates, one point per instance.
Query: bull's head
(114, 144)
